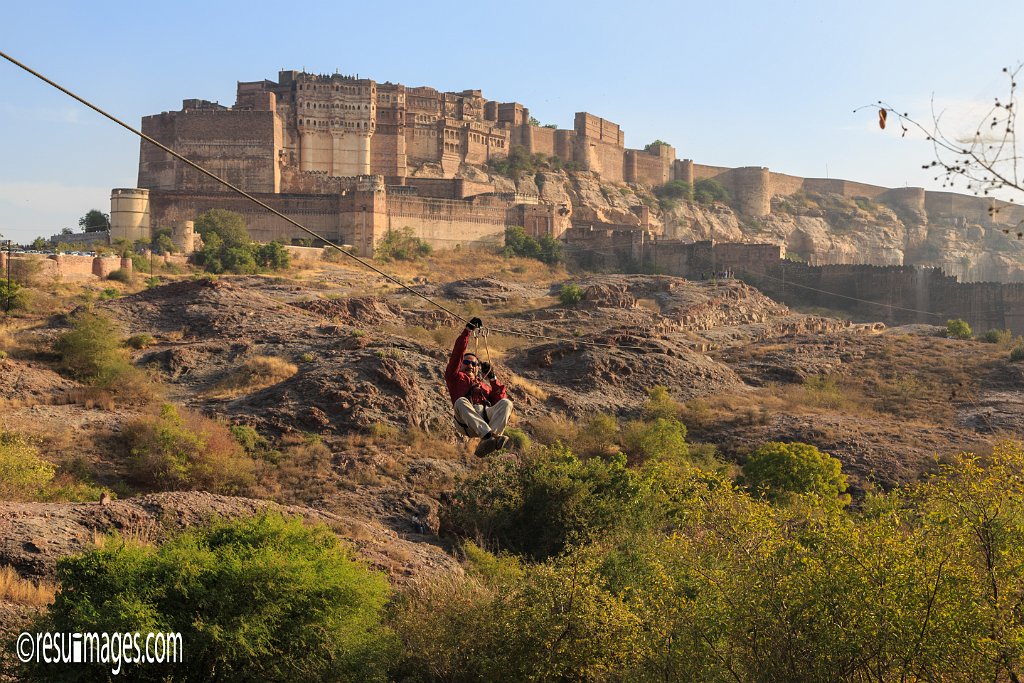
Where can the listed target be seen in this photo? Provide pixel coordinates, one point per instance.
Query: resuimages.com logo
(112, 649)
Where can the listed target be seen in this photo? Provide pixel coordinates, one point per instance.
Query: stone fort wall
(38, 268)
(363, 216)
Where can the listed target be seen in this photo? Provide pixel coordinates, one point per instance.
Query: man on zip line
(481, 408)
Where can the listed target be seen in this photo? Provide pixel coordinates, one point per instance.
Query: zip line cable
(282, 216)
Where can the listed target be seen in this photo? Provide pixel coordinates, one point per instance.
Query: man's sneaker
(486, 446)
(501, 442)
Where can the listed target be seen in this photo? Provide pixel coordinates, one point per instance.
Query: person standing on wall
(481, 407)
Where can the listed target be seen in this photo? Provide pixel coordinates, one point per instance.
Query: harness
(477, 334)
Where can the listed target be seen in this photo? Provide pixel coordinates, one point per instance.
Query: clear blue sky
(727, 83)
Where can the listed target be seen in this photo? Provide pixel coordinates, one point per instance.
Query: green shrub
(272, 256)
(776, 470)
(997, 337)
(520, 440)
(958, 329)
(660, 404)
(672, 191)
(571, 294)
(709, 191)
(402, 245)
(109, 293)
(517, 243)
(140, 341)
(538, 508)
(23, 474)
(1017, 354)
(660, 439)
(182, 450)
(265, 598)
(91, 350)
(120, 275)
(15, 298)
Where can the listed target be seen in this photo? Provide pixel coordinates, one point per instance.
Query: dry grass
(136, 532)
(21, 591)
(258, 372)
(526, 386)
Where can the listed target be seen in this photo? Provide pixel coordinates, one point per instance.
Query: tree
(649, 147)
(227, 225)
(986, 161)
(264, 598)
(67, 231)
(39, 244)
(94, 221)
(776, 470)
(958, 329)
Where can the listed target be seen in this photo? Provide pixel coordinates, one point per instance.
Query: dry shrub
(137, 531)
(21, 591)
(258, 372)
(301, 472)
(426, 444)
(182, 450)
(91, 397)
(557, 427)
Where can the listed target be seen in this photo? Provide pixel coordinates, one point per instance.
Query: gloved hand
(474, 324)
(486, 371)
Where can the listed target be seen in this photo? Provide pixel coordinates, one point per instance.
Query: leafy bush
(91, 350)
(709, 191)
(571, 294)
(776, 470)
(109, 293)
(661, 439)
(402, 245)
(140, 341)
(520, 440)
(958, 329)
(517, 243)
(997, 337)
(265, 598)
(1017, 354)
(227, 246)
(540, 507)
(180, 449)
(272, 256)
(517, 164)
(660, 404)
(15, 298)
(671, 192)
(23, 474)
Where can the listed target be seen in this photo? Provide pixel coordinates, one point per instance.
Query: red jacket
(461, 385)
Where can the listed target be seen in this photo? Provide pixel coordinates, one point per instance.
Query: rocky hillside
(818, 228)
(361, 427)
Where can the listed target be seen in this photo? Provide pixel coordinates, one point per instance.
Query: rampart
(892, 294)
(38, 268)
(365, 214)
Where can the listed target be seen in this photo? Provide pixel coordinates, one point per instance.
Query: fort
(352, 159)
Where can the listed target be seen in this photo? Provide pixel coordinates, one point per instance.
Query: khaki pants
(479, 419)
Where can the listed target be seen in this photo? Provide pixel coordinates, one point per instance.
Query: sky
(727, 83)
